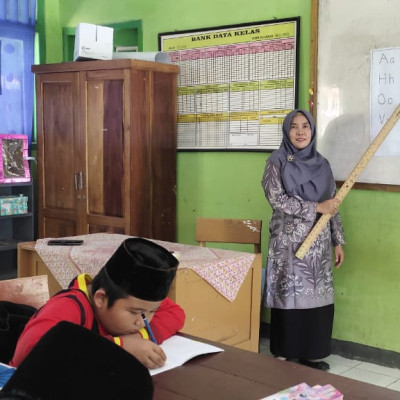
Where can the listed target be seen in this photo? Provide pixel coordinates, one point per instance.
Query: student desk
(236, 374)
(227, 310)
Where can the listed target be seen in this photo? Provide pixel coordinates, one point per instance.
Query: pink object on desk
(303, 391)
(224, 270)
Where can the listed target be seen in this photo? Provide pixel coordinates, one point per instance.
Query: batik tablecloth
(225, 270)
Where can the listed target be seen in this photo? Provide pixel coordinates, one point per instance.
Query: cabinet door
(153, 155)
(59, 161)
(106, 151)
(163, 92)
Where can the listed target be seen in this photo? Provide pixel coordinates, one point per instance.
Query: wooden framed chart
(236, 83)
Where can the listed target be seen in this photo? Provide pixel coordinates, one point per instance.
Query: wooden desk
(30, 264)
(209, 315)
(237, 374)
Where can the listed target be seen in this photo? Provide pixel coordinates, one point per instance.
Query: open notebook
(180, 349)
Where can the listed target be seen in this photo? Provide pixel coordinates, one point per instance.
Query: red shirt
(167, 320)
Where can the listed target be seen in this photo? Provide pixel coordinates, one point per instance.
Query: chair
(220, 230)
(31, 290)
(20, 298)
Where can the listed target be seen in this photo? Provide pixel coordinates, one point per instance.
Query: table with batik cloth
(220, 290)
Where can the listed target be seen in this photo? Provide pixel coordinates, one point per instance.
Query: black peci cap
(142, 269)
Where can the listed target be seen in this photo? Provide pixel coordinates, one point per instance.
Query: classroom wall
(227, 184)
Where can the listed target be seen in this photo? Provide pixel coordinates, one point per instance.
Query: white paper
(179, 349)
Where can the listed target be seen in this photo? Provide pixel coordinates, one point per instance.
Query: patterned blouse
(292, 283)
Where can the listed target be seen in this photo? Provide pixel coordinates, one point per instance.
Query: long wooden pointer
(350, 181)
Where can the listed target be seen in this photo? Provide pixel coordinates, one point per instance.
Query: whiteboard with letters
(385, 95)
(357, 86)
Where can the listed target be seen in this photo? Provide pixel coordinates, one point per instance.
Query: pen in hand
(149, 331)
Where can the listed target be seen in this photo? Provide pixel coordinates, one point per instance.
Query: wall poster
(14, 165)
(236, 83)
(385, 97)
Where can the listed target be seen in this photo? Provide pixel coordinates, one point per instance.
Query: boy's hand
(148, 353)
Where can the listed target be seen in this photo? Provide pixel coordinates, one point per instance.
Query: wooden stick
(347, 185)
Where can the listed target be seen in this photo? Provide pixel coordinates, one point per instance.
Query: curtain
(17, 35)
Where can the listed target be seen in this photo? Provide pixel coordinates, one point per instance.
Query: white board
(348, 32)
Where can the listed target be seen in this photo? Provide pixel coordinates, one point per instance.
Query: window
(17, 34)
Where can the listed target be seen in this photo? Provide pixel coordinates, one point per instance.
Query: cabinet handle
(76, 180)
(81, 176)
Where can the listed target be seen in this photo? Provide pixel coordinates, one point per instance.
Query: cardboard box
(93, 42)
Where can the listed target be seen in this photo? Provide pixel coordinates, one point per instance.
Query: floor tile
(336, 368)
(379, 369)
(369, 377)
(264, 341)
(344, 361)
(265, 349)
(395, 386)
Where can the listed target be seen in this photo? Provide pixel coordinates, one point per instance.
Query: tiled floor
(362, 371)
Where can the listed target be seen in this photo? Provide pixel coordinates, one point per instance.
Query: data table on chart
(235, 84)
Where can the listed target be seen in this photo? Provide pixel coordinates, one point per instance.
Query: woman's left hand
(339, 255)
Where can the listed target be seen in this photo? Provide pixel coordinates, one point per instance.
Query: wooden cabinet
(107, 148)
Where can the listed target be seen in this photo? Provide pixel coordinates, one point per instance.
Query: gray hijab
(304, 172)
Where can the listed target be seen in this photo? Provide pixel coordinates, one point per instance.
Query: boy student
(131, 286)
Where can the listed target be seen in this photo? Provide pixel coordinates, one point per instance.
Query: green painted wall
(52, 27)
(227, 184)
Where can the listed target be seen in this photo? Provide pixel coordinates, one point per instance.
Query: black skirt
(301, 333)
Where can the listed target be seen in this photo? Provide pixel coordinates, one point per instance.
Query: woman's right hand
(330, 206)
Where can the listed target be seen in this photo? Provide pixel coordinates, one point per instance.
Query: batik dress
(299, 292)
